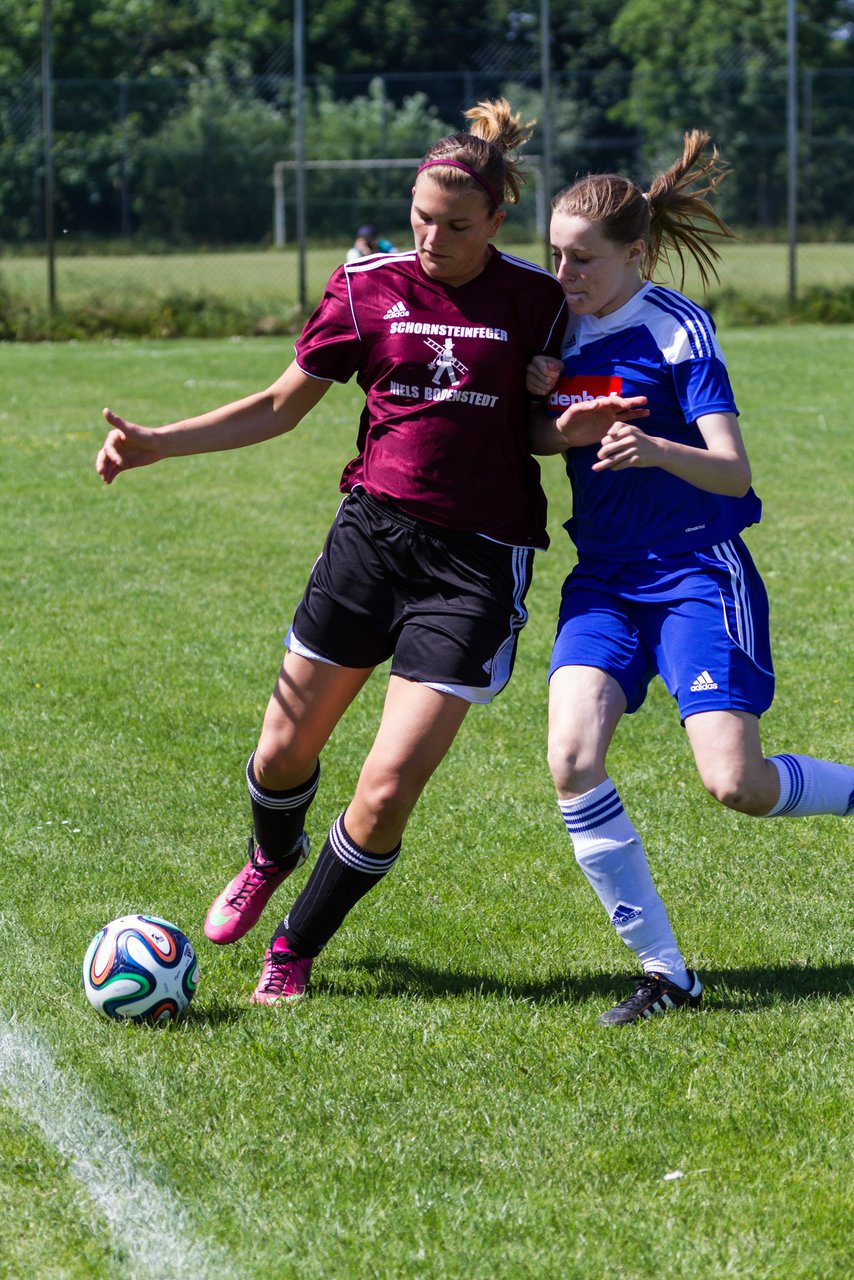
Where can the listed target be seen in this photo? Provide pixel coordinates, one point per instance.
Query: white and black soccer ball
(141, 968)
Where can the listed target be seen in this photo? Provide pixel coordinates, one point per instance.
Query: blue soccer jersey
(662, 346)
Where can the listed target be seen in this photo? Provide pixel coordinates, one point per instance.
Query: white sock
(809, 786)
(610, 853)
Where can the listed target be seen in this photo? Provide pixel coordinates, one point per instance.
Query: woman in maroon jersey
(429, 558)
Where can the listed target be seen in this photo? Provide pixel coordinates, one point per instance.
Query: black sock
(279, 816)
(343, 873)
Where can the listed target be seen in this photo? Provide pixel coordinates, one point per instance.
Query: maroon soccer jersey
(443, 434)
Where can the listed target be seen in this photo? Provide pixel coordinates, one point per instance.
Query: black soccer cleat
(654, 994)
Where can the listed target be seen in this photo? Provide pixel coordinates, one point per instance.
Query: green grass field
(272, 277)
(444, 1105)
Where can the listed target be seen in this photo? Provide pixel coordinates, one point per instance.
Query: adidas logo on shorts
(397, 312)
(703, 683)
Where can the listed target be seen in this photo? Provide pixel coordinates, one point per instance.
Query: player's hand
(589, 421)
(541, 375)
(626, 445)
(127, 445)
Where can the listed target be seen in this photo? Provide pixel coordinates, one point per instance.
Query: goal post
(282, 167)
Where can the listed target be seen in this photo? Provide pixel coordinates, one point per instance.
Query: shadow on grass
(776, 985)
(724, 988)
(390, 978)
(220, 1014)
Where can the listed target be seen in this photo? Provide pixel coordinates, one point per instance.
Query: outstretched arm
(722, 467)
(257, 417)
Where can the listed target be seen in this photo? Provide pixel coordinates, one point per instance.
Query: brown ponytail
(488, 150)
(673, 216)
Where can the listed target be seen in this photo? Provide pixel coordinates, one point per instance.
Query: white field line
(146, 1222)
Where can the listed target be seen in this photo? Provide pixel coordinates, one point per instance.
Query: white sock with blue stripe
(809, 786)
(609, 851)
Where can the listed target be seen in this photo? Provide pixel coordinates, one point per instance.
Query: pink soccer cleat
(284, 978)
(239, 906)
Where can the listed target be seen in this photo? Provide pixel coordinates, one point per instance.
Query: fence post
(47, 140)
(279, 205)
(548, 113)
(125, 178)
(792, 145)
(299, 85)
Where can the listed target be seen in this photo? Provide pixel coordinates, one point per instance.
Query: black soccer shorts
(446, 607)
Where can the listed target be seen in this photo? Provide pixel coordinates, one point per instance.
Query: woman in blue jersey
(664, 583)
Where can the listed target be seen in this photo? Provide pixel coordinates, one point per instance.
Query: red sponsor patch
(569, 391)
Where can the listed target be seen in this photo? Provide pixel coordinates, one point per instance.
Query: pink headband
(458, 164)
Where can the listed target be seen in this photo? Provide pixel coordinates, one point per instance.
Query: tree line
(169, 116)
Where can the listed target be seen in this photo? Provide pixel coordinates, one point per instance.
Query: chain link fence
(164, 169)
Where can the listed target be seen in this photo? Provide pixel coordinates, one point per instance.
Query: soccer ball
(142, 968)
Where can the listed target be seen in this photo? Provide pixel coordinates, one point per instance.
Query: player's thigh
(417, 728)
(728, 753)
(585, 706)
(309, 699)
(724, 736)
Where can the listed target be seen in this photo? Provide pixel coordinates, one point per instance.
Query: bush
(818, 304)
(178, 315)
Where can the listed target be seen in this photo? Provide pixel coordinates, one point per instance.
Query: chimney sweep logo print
(445, 362)
(447, 371)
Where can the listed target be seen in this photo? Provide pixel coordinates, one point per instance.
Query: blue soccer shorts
(698, 619)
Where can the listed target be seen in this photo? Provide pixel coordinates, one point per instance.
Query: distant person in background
(664, 584)
(367, 241)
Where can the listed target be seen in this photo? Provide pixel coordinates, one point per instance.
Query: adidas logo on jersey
(703, 683)
(397, 312)
(623, 913)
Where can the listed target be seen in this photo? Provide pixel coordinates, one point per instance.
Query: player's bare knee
(386, 796)
(571, 766)
(734, 790)
(280, 764)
